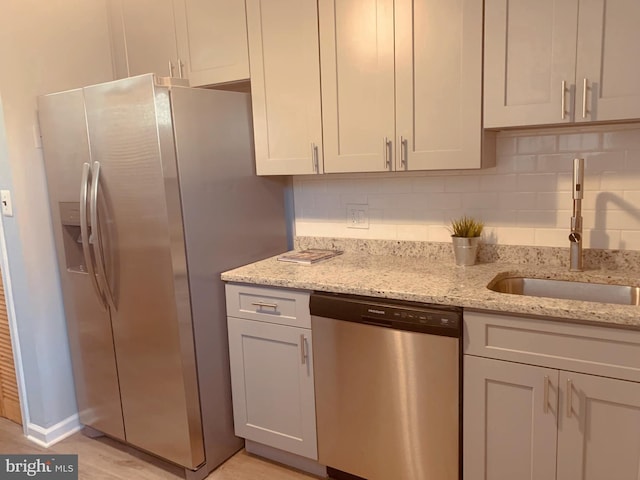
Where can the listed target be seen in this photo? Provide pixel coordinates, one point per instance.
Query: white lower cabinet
(507, 433)
(272, 370)
(541, 423)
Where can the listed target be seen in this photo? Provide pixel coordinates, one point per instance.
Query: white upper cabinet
(285, 86)
(560, 61)
(202, 40)
(357, 64)
(212, 40)
(144, 37)
(438, 62)
(607, 63)
(401, 84)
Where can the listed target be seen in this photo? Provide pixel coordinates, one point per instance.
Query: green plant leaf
(466, 227)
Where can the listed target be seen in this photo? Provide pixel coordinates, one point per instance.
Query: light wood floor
(105, 459)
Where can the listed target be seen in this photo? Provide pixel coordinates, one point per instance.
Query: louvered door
(9, 400)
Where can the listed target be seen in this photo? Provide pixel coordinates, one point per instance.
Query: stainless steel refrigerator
(153, 194)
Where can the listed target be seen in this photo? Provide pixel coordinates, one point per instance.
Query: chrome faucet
(575, 237)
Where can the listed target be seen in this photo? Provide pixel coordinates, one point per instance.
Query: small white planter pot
(465, 249)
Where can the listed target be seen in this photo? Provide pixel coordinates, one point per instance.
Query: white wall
(524, 200)
(45, 46)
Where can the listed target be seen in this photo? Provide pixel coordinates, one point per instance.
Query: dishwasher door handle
(377, 322)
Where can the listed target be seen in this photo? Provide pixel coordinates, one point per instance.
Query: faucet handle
(574, 237)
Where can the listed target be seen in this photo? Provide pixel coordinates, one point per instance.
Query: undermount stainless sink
(567, 289)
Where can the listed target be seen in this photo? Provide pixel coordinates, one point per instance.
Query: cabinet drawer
(273, 305)
(592, 349)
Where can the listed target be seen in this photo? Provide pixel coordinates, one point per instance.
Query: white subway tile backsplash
(505, 145)
(629, 240)
(597, 162)
(632, 159)
(498, 183)
(551, 237)
(510, 235)
(617, 181)
(522, 163)
(412, 232)
(524, 200)
(424, 184)
(621, 139)
(536, 218)
(537, 144)
(537, 182)
(518, 200)
(488, 200)
(555, 162)
(578, 142)
(462, 183)
(632, 197)
(442, 201)
(554, 201)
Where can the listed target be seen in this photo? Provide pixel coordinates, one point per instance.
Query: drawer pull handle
(569, 395)
(584, 98)
(546, 394)
(563, 97)
(303, 349)
(262, 305)
(388, 153)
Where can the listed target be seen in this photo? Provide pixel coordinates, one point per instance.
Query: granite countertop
(436, 279)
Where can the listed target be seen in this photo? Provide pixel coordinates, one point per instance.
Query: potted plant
(465, 235)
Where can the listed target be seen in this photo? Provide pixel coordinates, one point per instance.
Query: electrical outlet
(357, 215)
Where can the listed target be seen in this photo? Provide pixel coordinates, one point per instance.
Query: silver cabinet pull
(84, 232)
(569, 395)
(315, 164)
(546, 394)
(180, 66)
(564, 99)
(96, 234)
(404, 153)
(388, 153)
(262, 305)
(584, 98)
(303, 349)
(171, 68)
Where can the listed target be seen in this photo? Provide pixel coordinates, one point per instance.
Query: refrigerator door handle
(84, 232)
(96, 234)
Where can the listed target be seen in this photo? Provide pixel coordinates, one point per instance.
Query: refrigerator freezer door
(66, 149)
(131, 136)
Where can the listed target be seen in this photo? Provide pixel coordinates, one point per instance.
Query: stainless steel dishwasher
(387, 383)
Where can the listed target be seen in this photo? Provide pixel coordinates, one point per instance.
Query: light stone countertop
(439, 281)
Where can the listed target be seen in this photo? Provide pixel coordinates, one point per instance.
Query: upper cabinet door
(608, 42)
(357, 63)
(144, 37)
(438, 84)
(212, 40)
(530, 58)
(285, 86)
(202, 40)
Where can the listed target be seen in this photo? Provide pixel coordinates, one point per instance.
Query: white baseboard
(290, 459)
(46, 437)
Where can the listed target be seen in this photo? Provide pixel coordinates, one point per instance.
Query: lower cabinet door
(272, 385)
(599, 428)
(510, 413)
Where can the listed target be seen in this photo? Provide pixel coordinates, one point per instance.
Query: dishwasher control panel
(412, 316)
